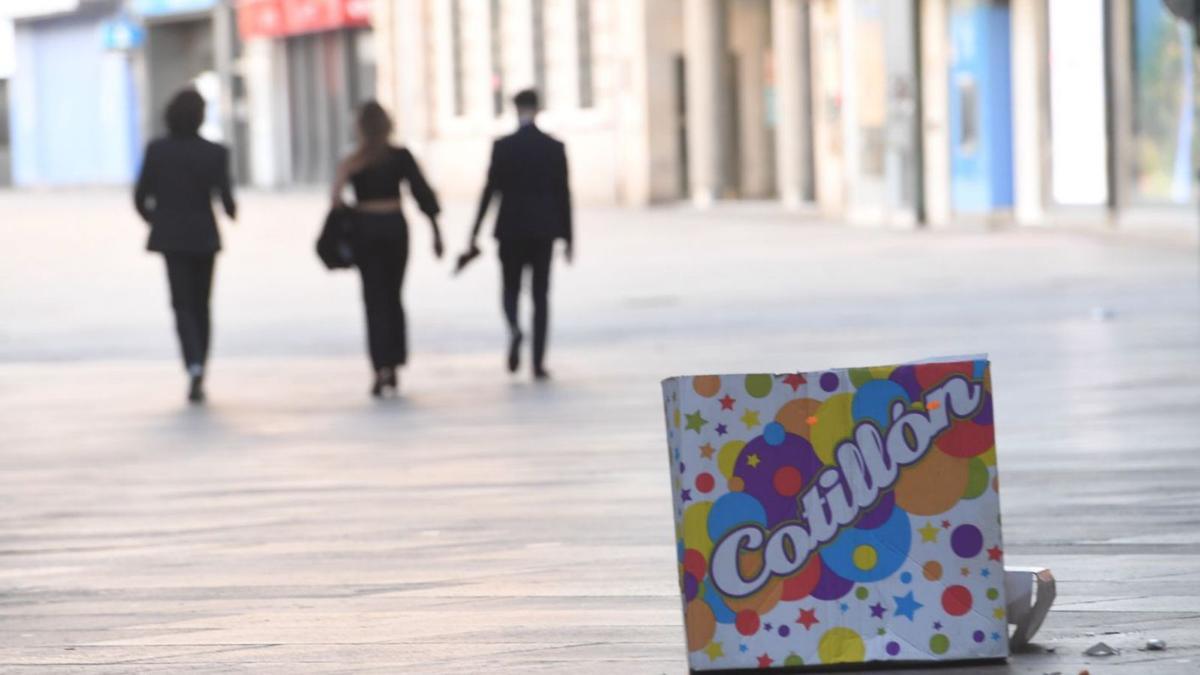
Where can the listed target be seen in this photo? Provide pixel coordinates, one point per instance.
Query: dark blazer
(174, 193)
(529, 170)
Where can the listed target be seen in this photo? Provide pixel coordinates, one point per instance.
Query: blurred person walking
(529, 172)
(180, 174)
(379, 235)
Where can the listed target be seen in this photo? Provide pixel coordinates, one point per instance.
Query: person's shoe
(380, 384)
(514, 352)
(386, 382)
(541, 374)
(196, 389)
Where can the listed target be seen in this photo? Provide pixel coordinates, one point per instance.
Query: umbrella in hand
(466, 258)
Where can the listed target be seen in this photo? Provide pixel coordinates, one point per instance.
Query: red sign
(278, 18)
(260, 18)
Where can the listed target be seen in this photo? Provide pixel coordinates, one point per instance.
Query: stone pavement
(481, 523)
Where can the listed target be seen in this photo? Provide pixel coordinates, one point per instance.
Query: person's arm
(426, 199)
(564, 199)
(340, 177)
(143, 193)
(225, 186)
(489, 188)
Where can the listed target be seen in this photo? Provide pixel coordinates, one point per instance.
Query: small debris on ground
(1155, 645)
(1101, 649)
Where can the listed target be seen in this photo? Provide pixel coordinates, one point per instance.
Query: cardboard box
(838, 516)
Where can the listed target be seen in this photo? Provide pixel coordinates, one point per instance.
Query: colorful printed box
(841, 516)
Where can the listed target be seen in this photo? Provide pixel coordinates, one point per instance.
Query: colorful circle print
(866, 503)
(870, 555)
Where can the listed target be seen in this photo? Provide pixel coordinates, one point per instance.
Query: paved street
(481, 523)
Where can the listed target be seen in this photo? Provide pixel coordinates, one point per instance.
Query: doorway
(980, 114)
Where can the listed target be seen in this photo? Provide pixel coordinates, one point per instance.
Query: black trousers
(515, 256)
(190, 276)
(380, 243)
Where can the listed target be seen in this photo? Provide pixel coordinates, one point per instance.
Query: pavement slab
(480, 522)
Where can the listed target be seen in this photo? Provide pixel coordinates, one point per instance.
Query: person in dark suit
(529, 172)
(180, 174)
(379, 235)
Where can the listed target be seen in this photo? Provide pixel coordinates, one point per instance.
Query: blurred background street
(484, 523)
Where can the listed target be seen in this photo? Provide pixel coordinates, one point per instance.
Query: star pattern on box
(695, 422)
(907, 606)
(795, 381)
(808, 618)
(747, 452)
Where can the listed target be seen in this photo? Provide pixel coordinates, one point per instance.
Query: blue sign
(122, 34)
(169, 7)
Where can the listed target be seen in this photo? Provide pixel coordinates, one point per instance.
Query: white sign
(25, 9)
(1078, 117)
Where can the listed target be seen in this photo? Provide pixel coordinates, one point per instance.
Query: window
(583, 43)
(539, 49)
(497, 48)
(456, 55)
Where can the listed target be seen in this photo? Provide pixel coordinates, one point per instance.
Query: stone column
(704, 51)
(935, 106)
(789, 33)
(1120, 82)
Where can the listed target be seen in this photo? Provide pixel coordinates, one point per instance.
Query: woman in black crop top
(380, 235)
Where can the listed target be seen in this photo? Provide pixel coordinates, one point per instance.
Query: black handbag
(333, 246)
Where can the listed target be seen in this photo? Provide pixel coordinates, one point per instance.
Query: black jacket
(174, 193)
(529, 170)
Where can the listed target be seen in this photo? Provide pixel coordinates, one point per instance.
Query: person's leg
(372, 266)
(183, 280)
(540, 255)
(510, 271)
(512, 265)
(396, 284)
(204, 279)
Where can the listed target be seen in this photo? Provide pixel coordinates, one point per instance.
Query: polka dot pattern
(911, 575)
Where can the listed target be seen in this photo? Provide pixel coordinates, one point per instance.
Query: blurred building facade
(7, 68)
(73, 104)
(891, 112)
(307, 65)
(887, 112)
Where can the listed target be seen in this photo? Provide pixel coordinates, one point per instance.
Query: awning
(279, 18)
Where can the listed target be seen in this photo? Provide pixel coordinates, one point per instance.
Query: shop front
(980, 107)
(881, 112)
(1165, 150)
(310, 64)
(192, 43)
(73, 95)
